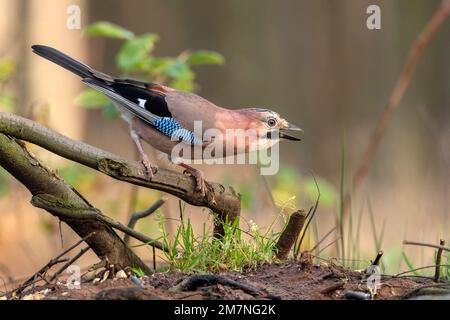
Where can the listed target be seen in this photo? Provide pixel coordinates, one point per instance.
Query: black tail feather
(64, 60)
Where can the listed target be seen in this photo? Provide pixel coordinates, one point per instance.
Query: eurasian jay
(157, 113)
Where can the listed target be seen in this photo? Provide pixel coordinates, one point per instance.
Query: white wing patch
(142, 102)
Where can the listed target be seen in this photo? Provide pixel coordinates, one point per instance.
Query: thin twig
(323, 238)
(310, 216)
(397, 94)
(329, 245)
(418, 269)
(68, 263)
(51, 263)
(142, 214)
(431, 245)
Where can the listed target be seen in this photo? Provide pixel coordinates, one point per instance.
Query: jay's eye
(271, 122)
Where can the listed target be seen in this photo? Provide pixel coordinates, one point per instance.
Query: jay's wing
(188, 108)
(115, 95)
(160, 100)
(148, 101)
(147, 105)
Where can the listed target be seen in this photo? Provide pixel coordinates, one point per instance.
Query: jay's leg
(198, 175)
(151, 168)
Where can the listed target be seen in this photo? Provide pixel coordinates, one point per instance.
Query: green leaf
(110, 111)
(183, 85)
(133, 54)
(203, 57)
(138, 272)
(158, 66)
(91, 99)
(7, 68)
(183, 76)
(178, 69)
(108, 29)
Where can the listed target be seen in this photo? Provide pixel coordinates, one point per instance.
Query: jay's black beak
(290, 127)
(283, 133)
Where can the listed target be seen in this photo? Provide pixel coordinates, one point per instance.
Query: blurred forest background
(314, 62)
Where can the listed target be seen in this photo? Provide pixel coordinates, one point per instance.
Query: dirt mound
(272, 281)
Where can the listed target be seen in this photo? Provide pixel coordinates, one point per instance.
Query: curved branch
(222, 201)
(57, 197)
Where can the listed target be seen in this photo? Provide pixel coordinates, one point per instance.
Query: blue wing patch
(171, 128)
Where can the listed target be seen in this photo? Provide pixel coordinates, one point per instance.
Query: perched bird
(163, 116)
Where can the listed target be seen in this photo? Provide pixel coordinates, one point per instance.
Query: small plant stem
(309, 216)
(154, 258)
(323, 238)
(437, 272)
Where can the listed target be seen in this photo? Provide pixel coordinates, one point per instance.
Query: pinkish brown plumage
(144, 105)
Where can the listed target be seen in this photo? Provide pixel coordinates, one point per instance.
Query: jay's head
(267, 122)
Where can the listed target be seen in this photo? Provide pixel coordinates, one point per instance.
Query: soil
(272, 281)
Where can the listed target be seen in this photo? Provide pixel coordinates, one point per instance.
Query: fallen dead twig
(193, 282)
(336, 286)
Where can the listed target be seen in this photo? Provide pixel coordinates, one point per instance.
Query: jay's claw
(150, 168)
(199, 178)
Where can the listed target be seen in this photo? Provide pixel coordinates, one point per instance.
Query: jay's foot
(150, 168)
(199, 178)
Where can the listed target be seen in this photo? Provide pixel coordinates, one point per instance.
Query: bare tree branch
(136, 216)
(224, 202)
